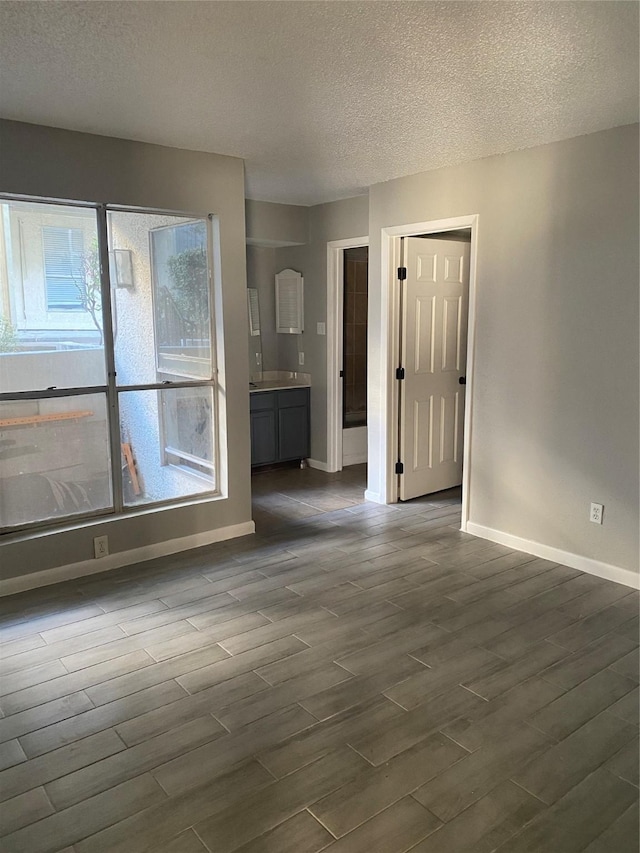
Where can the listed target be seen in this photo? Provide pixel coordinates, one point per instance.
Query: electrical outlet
(300, 358)
(596, 514)
(101, 547)
(258, 358)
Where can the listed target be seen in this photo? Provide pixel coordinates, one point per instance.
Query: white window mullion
(109, 346)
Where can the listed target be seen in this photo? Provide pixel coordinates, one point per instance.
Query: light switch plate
(321, 328)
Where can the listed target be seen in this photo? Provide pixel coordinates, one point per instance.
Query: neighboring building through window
(64, 268)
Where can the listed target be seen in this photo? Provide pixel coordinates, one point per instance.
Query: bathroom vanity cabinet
(279, 425)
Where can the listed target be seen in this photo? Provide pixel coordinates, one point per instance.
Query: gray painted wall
(556, 392)
(272, 224)
(338, 220)
(42, 161)
(556, 372)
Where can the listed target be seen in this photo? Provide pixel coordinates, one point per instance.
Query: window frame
(112, 390)
(160, 369)
(187, 463)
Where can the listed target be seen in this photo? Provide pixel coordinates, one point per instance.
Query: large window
(107, 377)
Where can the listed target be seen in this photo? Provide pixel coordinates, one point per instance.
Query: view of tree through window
(181, 292)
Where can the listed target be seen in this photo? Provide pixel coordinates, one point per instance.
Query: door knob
(462, 380)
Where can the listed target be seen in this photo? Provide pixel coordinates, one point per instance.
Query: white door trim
(385, 459)
(335, 296)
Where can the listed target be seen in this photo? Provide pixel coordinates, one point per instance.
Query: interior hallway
(354, 677)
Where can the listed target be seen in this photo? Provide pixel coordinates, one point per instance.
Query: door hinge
(399, 468)
(399, 372)
(402, 273)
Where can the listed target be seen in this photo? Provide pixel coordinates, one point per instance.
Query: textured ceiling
(323, 99)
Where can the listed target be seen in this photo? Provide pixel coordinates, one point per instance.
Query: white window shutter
(254, 311)
(289, 302)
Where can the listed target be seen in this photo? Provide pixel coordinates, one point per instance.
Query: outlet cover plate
(101, 547)
(596, 514)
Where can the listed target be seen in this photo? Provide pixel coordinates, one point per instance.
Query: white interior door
(434, 354)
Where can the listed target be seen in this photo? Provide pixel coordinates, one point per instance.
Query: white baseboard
(354, 446)
(321, 466)
(374, 497)
(566, 558)
(354, 459)
(10, 586)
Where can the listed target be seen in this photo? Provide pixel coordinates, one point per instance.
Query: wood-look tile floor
(354, 678)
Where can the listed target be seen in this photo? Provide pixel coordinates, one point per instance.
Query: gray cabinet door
(263, 437)
(293, 432)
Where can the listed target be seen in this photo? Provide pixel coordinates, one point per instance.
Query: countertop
(276, 384)
(274, 380)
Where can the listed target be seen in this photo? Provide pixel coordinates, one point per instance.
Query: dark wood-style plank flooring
(353, 678)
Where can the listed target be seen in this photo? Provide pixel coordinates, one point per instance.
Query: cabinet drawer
(293, 397)
(260, 400)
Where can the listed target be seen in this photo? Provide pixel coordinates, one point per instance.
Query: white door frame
(335, 300)
(390, 256)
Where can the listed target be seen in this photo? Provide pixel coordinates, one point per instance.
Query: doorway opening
(347, 333)
(354, 355)
(434, 295)
(384, 407)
